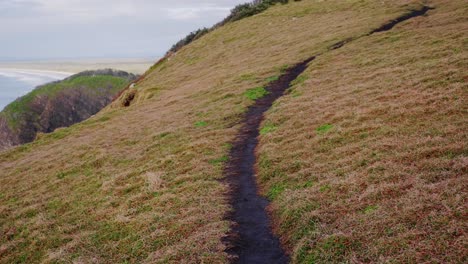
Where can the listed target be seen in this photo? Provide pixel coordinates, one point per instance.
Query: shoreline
(15, 83)
(25, 74)
(35, 71)
(136, 66)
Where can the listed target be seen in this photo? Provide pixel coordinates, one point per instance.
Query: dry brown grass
(387, 182)
(141, 184)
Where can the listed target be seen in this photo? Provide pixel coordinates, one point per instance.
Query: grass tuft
(275, 191)
(256, 93)
(272, 79)
(323, 129)
(268, 128)
(201, 124)
(299, 80)
(370, 209)
(219, 161)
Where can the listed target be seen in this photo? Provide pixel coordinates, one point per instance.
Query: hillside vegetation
(237, 13)
(364, 160)
(59, 104)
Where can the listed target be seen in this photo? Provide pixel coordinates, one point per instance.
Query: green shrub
(192, 36)
(249, 9)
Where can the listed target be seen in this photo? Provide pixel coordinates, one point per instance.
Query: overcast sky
(54, 29)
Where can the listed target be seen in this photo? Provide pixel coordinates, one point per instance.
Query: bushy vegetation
(189, 38)
(237, 13)
(249, 9)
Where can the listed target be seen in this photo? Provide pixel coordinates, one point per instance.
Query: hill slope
(59, 104)
(364, 160)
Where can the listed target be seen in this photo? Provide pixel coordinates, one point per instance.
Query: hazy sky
(42, 29)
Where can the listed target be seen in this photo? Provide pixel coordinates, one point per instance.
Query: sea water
(15, 83)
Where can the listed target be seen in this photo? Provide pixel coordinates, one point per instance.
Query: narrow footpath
(255, 242)
(251, 239)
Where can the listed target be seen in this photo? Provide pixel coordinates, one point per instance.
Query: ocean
(18, 82)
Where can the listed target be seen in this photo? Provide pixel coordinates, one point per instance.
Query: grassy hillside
(364, 160)
(368, 159)
(59, 104)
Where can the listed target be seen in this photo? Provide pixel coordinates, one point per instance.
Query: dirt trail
(251, 239)
(256, 243)
(413, 13)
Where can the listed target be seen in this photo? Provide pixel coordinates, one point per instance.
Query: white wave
(34, 77)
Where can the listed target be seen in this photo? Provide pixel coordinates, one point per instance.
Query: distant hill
(59, 104)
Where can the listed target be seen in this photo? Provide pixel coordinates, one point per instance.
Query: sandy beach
(136, 66)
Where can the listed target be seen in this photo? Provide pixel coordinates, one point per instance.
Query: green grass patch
(370, 209)
(104, 119)
(268, 128)
(164, 134)
(227, 146)
(307, 184)
(256, 93)
(323, 128)
(30, 213)
(60, 133)
(201, 124)
(294, 92)
(13, 200)
(299, 80)
(275, 191)
(334, 245)
(272, 79)
(220, 160)
(61, 175)
(325, 188)
(156, 194)
(283, 68)
(54, 204)
(332, 249)
(303, 255)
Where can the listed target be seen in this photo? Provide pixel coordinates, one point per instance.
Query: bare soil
(254, 241)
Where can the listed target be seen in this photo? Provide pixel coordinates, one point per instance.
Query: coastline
(136, 65)
(34, 76)
(18, 78)
(15, 83)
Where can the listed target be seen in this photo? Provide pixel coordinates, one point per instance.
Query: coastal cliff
(59, 104)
